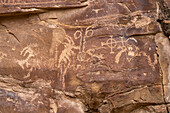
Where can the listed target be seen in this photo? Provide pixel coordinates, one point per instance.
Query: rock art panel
(95, 56)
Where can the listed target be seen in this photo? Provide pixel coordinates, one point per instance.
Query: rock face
(84, 56)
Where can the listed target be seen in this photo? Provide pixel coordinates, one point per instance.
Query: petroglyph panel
(79, 56)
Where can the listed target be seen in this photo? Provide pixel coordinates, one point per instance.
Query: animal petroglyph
(29, 63)
(62, 59)
(29, 51)
(2, 56)
(123, 46)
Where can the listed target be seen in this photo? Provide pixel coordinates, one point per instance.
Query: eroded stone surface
(151, 109)
(13, 7)
(164, 57)
(101, 57)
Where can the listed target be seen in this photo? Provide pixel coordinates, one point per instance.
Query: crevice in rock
(9, 32)
(163, 90)
(147, 34)
(132, 89)
(132, 107)
(36, 8)
(43, 9)
(135, 102)
(141, 104)
(128, 36)
(163, 20)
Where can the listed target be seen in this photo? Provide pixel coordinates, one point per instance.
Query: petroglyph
(150, 62)
(143, 22)
(82, 35)
(2, 56)
(132, 52)
(30, 62)
(111, 43)
(29, 51)
(91, 53)
(57, 39)
(123, 46)
(96, 10)
(117, 57)
(62, 60)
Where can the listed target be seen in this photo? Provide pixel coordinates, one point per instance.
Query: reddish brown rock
(164, 59)
(13, 7)
(82, 56)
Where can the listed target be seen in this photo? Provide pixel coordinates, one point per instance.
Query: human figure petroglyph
(121, 45)
(58, 38)
(60, 60)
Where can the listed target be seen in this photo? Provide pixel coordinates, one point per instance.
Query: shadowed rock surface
(84, 56)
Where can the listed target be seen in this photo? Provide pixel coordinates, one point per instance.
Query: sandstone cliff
(84, 56)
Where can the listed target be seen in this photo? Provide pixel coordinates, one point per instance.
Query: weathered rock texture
(77, 56)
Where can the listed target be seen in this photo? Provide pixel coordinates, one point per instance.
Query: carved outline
(123, 46)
